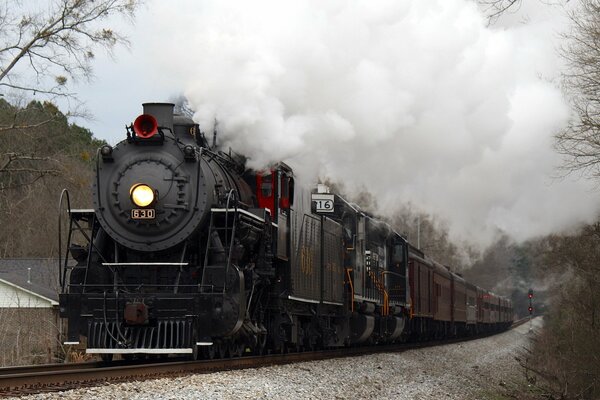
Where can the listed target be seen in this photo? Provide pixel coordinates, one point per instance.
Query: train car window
(349, 225)
(266, 185)
(368, 259)
(398, 256)
(265, 191)
(284, 184)
(291, 191)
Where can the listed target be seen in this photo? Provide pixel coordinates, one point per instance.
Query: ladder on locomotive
(82, 222)
(223, 223)
(385, 309)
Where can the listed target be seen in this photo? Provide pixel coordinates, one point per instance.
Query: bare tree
(32, 173)
(495, 8)
(41, 51)
(580, 141)
(565, 355)
(55, 44)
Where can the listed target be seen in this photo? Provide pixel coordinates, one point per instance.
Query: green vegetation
(39, 157)
(43, 51)
(565, 357)
(563, 270)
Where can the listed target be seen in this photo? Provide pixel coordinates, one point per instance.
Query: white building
(29, 324)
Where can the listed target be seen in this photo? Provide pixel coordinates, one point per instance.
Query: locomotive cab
(275, 192)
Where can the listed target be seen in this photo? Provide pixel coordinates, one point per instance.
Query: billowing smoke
(417, 102)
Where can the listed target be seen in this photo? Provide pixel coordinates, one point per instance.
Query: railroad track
(58, 377)
(521, 321)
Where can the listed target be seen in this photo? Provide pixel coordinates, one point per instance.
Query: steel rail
(58, 377)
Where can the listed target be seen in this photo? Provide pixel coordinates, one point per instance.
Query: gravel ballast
(477, 369)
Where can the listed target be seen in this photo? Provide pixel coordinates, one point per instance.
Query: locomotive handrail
(387, 271)
(208, 239)
(230, 195)
(132, 264)
(225, 159)
(198, 173)
(381, 288)
(98, 179)
(241, 211)
(180, 268)
(348, 270)
(137, 285)
(63, 271)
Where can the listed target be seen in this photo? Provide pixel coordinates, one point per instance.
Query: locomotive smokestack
(163, 112)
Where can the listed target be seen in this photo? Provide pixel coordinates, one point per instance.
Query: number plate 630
(143, 213)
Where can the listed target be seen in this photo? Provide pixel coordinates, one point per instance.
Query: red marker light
(145, 126)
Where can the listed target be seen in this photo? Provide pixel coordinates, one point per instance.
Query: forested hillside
(40, 154)
(564, 359)
(563, 270)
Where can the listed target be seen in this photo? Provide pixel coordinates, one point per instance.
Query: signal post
(530, 296)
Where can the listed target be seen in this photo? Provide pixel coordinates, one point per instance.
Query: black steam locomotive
(187, 252)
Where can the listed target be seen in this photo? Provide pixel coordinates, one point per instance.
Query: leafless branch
(12, 157)
(28, 174)
(56, 44)
(579, 143)
(495, 8)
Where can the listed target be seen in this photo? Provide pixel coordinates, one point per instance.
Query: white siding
(14, 297)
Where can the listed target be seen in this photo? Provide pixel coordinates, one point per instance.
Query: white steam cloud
(417, 102)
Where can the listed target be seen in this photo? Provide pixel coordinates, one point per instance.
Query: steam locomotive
(188, 252)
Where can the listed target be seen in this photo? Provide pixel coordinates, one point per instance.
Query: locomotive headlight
(142, 195)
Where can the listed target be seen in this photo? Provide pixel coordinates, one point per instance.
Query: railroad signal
(530, 296)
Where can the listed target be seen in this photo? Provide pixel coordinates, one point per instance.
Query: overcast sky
(418, 102)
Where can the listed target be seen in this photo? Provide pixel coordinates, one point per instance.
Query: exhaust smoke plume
(416, 102)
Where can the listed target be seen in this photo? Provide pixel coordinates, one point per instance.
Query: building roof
(36, 276)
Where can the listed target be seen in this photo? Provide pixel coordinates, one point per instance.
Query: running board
(138, 351)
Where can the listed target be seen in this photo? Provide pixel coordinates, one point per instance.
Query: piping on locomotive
(187, 252)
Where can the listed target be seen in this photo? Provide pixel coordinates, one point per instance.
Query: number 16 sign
(323, 202)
